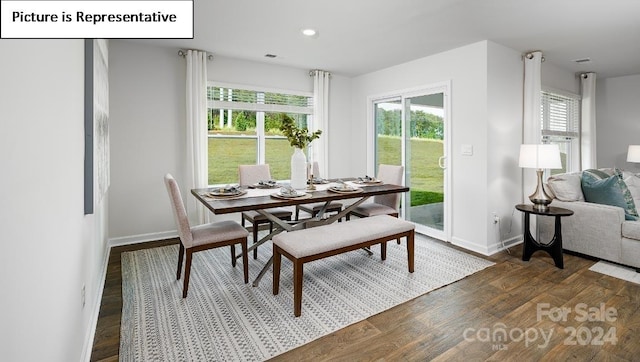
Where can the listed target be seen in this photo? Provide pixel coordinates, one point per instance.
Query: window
(244, 129)
(560, 115)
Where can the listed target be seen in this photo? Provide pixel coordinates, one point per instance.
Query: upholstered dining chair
(251, 175)
(315, 207)
(203, 237)
(383, 204)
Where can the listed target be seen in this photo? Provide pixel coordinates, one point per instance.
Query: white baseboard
(487, 250)
(128, 240)
(505, 244)
(469, 245)
(142, 238)
(93, 317)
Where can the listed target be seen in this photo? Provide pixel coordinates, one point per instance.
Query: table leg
(283, 225)
(528, 239)
(262, 272)
(554, 248)
(556, 245)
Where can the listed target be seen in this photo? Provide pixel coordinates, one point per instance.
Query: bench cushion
(312, 241)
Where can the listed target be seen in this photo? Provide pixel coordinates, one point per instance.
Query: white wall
(504, 134)
(50, 249)
(147, 101)
(147, 107)
(617, 120)
(466, 68)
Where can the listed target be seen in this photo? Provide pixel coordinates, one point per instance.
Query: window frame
(260, 109)
(570, 137)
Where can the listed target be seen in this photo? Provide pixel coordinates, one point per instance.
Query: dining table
(262, 200)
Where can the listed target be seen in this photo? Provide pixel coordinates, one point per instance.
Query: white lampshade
(633, 154)
(540, 156)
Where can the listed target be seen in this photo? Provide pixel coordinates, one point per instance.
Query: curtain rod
(183, 53)
(529, 55)
(313, 72)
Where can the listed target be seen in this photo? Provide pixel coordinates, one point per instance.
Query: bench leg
(276, 270)
(297, 288)
(383, 250)
(410, 255)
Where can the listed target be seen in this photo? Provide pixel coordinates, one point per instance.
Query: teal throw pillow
(600, 188)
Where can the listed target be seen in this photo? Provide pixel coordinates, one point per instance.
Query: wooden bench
(311, 244)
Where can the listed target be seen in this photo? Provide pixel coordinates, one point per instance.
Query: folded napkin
(343, 186)
(317, 181)
(267, 183)
(366, 179)
(231, 189)
(288, 191)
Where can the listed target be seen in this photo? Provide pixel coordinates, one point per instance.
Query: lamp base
(539, 197)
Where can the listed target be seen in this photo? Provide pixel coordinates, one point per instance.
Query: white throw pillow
(566, 186)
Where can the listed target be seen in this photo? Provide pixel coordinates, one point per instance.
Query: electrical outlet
(83, 295)
(496, 218)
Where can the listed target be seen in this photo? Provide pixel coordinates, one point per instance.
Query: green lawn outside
(426, 177)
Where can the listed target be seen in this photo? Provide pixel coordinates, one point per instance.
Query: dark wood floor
(510, 311)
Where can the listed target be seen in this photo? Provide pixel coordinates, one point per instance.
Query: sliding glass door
(411, 130)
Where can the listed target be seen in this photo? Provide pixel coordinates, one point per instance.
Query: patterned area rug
(616, 271)
(223, 319)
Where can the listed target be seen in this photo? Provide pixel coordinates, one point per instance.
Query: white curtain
(196, 119)
(588, 121)
(532, 129)
(320, 151)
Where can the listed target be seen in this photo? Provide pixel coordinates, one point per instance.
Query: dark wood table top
(552, 211)
(222, 206)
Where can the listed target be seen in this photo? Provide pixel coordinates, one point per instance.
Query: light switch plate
(466, 150)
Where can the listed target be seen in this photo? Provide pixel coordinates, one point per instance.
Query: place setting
(317, 181)
(265, 184)
(226, 192)
(367, 180)
(342, 187)
(287, 193)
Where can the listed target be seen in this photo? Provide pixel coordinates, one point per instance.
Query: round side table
(554, 247)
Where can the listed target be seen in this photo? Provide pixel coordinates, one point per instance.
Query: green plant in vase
(299, 138)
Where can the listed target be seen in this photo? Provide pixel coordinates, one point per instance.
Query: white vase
(298, 170)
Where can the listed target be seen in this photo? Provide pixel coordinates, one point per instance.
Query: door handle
(441, 162)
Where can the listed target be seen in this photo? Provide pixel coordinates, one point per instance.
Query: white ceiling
(360, 36)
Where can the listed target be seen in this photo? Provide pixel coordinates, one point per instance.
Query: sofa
(595, 229)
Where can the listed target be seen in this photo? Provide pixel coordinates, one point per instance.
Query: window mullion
(260, 131)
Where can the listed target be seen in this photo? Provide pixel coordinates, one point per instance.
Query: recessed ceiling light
(309, 32)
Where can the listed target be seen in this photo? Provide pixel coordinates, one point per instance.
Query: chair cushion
(373, 209)
(217, 232)
(253, 216)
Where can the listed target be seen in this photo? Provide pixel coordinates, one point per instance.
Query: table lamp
(633, 154)
(540, 157)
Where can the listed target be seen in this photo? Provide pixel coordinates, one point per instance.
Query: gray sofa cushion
(566, 187)
(631, 229)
